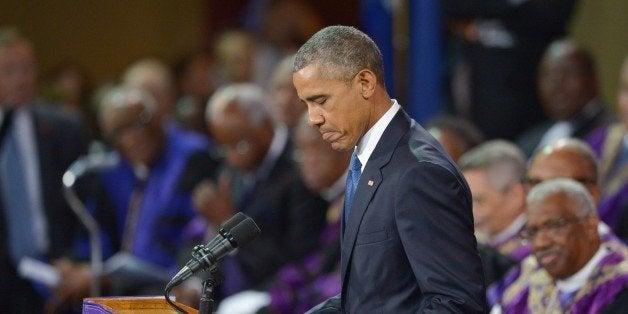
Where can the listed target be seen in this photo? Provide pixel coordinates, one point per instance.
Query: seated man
(572, 269)
(569, 158)
(261, 180)
(299, 286)
(494, 171)
(139, 202)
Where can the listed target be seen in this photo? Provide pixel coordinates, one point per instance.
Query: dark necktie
(353, 177)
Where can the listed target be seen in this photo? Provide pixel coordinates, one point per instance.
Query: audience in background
(568, 87)
(37, 144)
(195, 81)
(283, 102)
(299, 286)
(570, 158)
(154, 77)
(261, 180)
(494, 171)
(572, 269)
(139, 202)
(235, 54)
(610, 143)
(495, 47)
(457, 135)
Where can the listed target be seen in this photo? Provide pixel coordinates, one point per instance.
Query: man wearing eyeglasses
(572, 269)
(572, 158)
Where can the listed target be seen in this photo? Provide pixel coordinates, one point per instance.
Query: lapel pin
(370, 183)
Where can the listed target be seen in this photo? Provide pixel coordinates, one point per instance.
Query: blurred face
(244, 145)
(17, 73)
(491, 207)
(335, 107)
(320, 166)
(564, 85)
(561, 241)
(563, 164)
(284, 101)
(622, 97)
(135, 134)
(453, 145)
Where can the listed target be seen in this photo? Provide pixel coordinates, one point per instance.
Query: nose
(541, 240)
(315, 118)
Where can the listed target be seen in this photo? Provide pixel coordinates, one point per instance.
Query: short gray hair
(246, 96)
(571, 188)
(503, 162)
(341, 52)
(122, 96)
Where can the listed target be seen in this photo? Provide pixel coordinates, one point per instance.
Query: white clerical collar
(367, 143)
(579, 279)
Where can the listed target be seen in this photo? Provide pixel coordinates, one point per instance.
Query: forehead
(113, 115)
(554, 206)
(561, 163)
(311, 80)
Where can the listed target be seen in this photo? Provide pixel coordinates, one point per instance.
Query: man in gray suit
(407, 237)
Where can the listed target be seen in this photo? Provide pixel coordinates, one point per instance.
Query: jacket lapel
(369, 182)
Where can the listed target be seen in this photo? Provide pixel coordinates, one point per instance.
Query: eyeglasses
(534, 181)
(551, 228)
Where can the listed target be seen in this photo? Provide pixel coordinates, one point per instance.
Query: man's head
(284, 103)
(566, 158)
(457, 135)
(494, 171)
(240, 124)
(154, 77)
(17, 68)
(127, 120)
(562, 226)
(339, 75)
(320, 165)
(566, 79)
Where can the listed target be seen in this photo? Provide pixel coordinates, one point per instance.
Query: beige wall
(602, 26)
(106, 36)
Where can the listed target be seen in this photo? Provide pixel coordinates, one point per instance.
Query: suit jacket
(408, 245)
(60, 139)
(290, 217)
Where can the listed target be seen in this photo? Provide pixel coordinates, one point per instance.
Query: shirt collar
(366, 145)
(277, 146)
(510, 231)
(579, 279)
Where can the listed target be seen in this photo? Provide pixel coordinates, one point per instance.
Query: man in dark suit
(37, 146)
(568, 87)
(261, 180)
(407, 236)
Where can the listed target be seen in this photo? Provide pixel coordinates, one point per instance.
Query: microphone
(96, 160)
(236, 232)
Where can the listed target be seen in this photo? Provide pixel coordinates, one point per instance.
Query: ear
(366, 81)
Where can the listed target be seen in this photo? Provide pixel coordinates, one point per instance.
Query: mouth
(329, 136)
(547, 260)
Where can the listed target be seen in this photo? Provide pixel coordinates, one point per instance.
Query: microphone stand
(206, 304)
(92, 228)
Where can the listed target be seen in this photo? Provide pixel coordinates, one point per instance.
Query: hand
(213, 202)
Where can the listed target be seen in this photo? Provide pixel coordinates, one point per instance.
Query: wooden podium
(131, 305)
